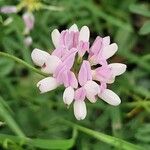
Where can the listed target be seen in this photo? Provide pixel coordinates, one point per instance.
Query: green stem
(23, 63)
(52, 8)
(116, 142)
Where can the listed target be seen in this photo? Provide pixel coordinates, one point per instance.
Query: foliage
(30, 120)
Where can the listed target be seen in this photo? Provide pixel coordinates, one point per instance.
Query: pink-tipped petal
(68, 95)
(47, 84)
(55, 37)
(117, 68)
(110, 97)
(79, 110)
(39, 57)
(84, 34)
(51, 64)
(109, 51)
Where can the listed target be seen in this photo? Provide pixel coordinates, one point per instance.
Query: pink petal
(69, 57)
(82, 48)
(84, 73)
(96, 45)
(80, 94)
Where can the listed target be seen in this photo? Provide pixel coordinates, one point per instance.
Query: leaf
(140, 9)
(145, 29)
(6, 66)
(143, 133)
(9, 120)
(41, 143)
(1, 20)
(116, 142)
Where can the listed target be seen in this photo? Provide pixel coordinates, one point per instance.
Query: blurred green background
(43, 118)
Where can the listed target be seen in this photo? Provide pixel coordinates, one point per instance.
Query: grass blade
(116, 142)
(42, 143)
(9, 120)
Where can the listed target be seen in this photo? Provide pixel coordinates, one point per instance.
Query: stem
(116, 142)
(52, 8)
(23, 63)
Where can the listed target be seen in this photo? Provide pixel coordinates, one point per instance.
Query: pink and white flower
(8, 9)
(81, 78)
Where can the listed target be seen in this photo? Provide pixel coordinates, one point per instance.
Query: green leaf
(116, 142)
(9, 120)
(6, 66)
(145, 29)
(141, 9)
(1, 20)
(41, 143)
(143, 133)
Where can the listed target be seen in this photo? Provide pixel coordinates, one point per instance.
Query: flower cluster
(81, 68)
(29, 20)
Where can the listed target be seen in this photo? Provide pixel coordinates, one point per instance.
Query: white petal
(39, 57)
(109, 51)
(91, 98)
(106, 41)
(47, 84)
(84, 34)
(110, 97)
(51, 64)
(117, 68)
(55, 37)
(68, 95)
(91, 88)
(79, 109)
(74, 28)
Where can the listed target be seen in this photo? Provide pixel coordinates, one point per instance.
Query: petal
(82, 48)
(73, 28)
(28, 20)
(84, 34)
(68, 95)
(51, 64)
(109, 51)
(85, 73)
(91, 98)
(39, 57)
(92, 88)
(117, 68)
(110, 97)
(55, 37)
(106, 41)
(82, 76)
(69, 57)
(28, 41)
(95, 48)
(47, 84)
(80, 94)
(73, 80)
(79, 109)
(8, 9)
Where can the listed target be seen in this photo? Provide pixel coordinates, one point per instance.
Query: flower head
(73, 63)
